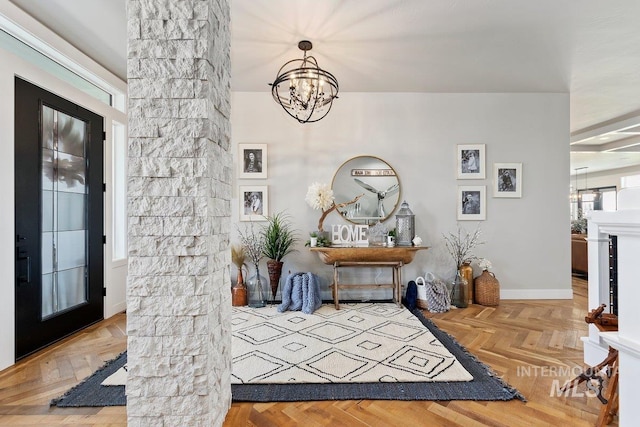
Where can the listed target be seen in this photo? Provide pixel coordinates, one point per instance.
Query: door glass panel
(47, 169)
(71, 172)
(71, 211)
(64, 212)
(71, 249)
(47, 210)
(47, 295)
(71, 135)
(73, 292)
(47, 253)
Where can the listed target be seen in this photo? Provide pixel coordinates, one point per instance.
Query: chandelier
(303, 89)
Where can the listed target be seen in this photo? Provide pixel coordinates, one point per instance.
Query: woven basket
(487, 289)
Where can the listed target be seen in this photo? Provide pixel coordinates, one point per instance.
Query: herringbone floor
(534, 345)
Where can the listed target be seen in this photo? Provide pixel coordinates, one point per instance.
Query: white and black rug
(483, 386)
(360, 343)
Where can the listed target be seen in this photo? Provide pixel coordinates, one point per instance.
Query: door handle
(25, 278)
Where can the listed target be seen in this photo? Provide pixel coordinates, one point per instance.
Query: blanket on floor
(301, 292)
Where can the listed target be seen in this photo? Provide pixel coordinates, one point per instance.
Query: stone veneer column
(178, 299)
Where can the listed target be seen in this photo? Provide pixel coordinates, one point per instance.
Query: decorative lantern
(405, 225)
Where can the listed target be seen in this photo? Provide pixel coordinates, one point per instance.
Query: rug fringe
(55, 401)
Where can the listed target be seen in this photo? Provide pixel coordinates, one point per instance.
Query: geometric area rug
(431, 384)
(360, 343)
(484, 385)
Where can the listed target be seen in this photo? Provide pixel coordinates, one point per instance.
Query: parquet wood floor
(530, 343)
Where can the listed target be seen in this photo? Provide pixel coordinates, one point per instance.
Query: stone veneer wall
(179, 191)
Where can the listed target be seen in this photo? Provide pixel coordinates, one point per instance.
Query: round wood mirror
(375, 180)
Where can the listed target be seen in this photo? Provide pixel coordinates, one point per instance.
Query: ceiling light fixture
(303, 89)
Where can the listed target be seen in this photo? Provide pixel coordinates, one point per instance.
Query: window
(119, 196)
(630, 181)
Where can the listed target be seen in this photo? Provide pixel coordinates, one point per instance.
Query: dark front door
(59, 217)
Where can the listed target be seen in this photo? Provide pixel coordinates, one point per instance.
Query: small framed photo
(507, 180)
(471, 161)
(252, 159)
(254, 202)
(472, 203)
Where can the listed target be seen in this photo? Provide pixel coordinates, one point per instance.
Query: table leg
(335, 286)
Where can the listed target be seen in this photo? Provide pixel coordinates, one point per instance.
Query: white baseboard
(115, 309)
(536, 294)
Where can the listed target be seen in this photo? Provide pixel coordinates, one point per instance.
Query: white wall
(10, 66)
(527, 239)
(606, 178)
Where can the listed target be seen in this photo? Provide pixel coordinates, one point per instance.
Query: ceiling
(588, 48)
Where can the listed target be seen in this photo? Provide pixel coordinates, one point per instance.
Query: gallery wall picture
(471, 161)
(507, 180)
(472, 205)
(252, 161)
(254, 202)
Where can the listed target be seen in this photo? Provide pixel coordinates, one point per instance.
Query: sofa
(579, 254)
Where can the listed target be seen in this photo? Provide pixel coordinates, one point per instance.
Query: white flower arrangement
(319, 196)
(484, 264)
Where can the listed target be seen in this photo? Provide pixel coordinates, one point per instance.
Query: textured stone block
(149, 167)
(194, 187)
(190, 405)
(166, 67)
(159, 366)
(180, 127)
(186, 305)
(181, 9)
(143, 326)
(154, 9)
(185, 345)
(158, 265)
(168, 286)
(186, 226)
(160, 206)
(149, 346)
(154, 186)
(154, 108)
(141, 406)
(178, 325)
(145, 226)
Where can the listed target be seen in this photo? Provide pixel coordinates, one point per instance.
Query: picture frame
(254, 202)
(507, 180)
(472, 203)
(252, 161)
(471, 161)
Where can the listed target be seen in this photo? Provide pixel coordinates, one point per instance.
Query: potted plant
(391, 237)
(279, 241)
(313, 239)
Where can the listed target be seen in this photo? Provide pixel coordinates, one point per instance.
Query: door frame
(31, 332)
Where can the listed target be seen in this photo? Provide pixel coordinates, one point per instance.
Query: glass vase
(459, 291)
(258, 288)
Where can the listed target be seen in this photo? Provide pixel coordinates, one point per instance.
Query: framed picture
(471, 161)
(252, 159)
(472, 203)
(254, 202)
(507, 180)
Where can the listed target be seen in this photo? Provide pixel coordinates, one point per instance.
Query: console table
(368, 257)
